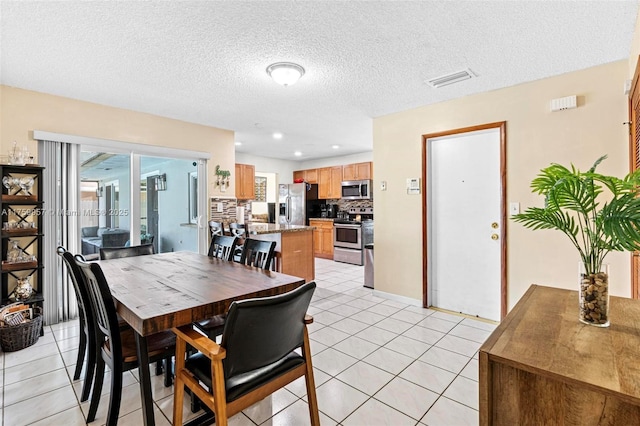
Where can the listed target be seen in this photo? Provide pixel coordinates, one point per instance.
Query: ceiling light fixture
(297, 153)
(335, 146)
(277, 135)
(452, 78)
(238, 143)
(285, 73)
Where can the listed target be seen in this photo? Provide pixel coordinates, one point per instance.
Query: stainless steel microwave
(357, 190)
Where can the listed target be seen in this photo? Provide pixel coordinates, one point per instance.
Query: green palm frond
(576, 204)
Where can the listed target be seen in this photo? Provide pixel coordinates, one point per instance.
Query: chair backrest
(120, 252)
(258, 253)
(104, 309)
(215, 228)
(82, 296)
(222, 247)
(236, 229)
(259, 332)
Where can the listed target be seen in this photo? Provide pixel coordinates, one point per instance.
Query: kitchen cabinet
(329, 182)
(310, 176)
(357, 171)
(322, 238)
(294, 248)
(245, 181)
(22, 247)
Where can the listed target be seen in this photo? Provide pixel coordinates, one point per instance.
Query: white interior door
(464, 214)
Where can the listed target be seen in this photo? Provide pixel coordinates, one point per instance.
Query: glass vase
(593, 296)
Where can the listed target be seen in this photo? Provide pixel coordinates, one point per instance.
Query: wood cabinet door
(349, 172)
(298, 174)
(324, 183)
(245, 181)
(335, 189)
(327, 241)
(363, 171)
(311, 175)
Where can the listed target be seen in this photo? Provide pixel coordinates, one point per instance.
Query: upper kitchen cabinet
(245, 181)
(310, 176)
(357, 171)
(329, 182)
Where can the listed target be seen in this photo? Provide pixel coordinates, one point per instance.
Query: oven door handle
(346, 225)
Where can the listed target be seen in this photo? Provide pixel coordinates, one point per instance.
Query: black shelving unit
(22, 213)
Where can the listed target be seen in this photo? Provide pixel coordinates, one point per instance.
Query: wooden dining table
(157, 292)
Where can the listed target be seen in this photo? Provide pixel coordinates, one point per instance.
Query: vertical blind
(61, 225)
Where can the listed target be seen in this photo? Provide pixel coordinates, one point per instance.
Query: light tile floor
(376, 362)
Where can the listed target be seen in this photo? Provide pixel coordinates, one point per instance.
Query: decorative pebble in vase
(593, 296)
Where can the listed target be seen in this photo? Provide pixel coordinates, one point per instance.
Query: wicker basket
(16, 337)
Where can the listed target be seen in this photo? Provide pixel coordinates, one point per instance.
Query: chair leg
(178, 390)
(82, 349)
(115, 397)
(97, 390)
(90, 371)
(158, 367)
(220, 400)
(168, 372)
(195, 403)
(310, 382)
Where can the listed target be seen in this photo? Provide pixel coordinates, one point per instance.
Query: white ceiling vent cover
(455, 77)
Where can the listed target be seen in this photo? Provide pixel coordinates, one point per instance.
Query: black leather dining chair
(120, 252)
(222, 247)
(117, 346)
(258, 253)
(87, 344)
(258, 355)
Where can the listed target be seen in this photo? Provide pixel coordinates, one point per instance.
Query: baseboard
(397, 298)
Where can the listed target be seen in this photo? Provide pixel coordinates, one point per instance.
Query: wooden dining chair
(117, 346)
(87, 345)
(120, 252)
(222, 247)
(258, 253)
(258, 355)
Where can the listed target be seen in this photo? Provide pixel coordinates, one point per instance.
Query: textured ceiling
(205, 61)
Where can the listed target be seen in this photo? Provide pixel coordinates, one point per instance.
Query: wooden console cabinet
(541, 366)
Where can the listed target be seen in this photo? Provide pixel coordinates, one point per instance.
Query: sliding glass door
(130, 199)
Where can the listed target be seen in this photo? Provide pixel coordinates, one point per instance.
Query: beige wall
(635, 49)
(22, 111)
(535, 138)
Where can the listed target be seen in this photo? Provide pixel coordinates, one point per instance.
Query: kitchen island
(294, 247)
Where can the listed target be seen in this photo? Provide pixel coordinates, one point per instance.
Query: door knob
(494, 225)
(494, 236)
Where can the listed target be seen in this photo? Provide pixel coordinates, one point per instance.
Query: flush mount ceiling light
(277, 135)
(335, 146)
(297, 153)
(285, 73)
(238, 143)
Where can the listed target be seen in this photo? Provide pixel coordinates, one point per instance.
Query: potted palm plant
(596, 222)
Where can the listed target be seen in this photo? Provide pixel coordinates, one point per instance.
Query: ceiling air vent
(455, 77)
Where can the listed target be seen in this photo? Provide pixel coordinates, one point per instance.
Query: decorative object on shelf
(222, 177)
(576, 205)
(17, 255)
(18, 185)
(19, 156)
(20, 326)
(23, 290)
(261, 189)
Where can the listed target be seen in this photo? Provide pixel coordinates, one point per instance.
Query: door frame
(503, 207)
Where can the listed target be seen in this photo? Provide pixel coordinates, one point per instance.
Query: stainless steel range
(350, 235)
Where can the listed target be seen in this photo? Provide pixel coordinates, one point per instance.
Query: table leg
(145, 380)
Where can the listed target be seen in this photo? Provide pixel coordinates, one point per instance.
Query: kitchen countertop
(275, 228)
(323, 219)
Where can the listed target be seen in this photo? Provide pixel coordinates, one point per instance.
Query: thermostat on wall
(413, 186)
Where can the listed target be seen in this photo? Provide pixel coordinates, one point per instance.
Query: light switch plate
(514, 208)
(383, 185)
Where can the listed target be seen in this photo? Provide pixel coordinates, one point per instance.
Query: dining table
(157, 292)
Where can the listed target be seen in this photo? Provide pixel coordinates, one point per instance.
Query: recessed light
(297, 153)
(277, 135)
(335, 146)
(238, 143)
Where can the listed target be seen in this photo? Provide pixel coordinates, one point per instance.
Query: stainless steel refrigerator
(298, 202)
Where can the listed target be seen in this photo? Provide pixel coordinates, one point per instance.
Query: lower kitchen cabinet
(322, 238)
